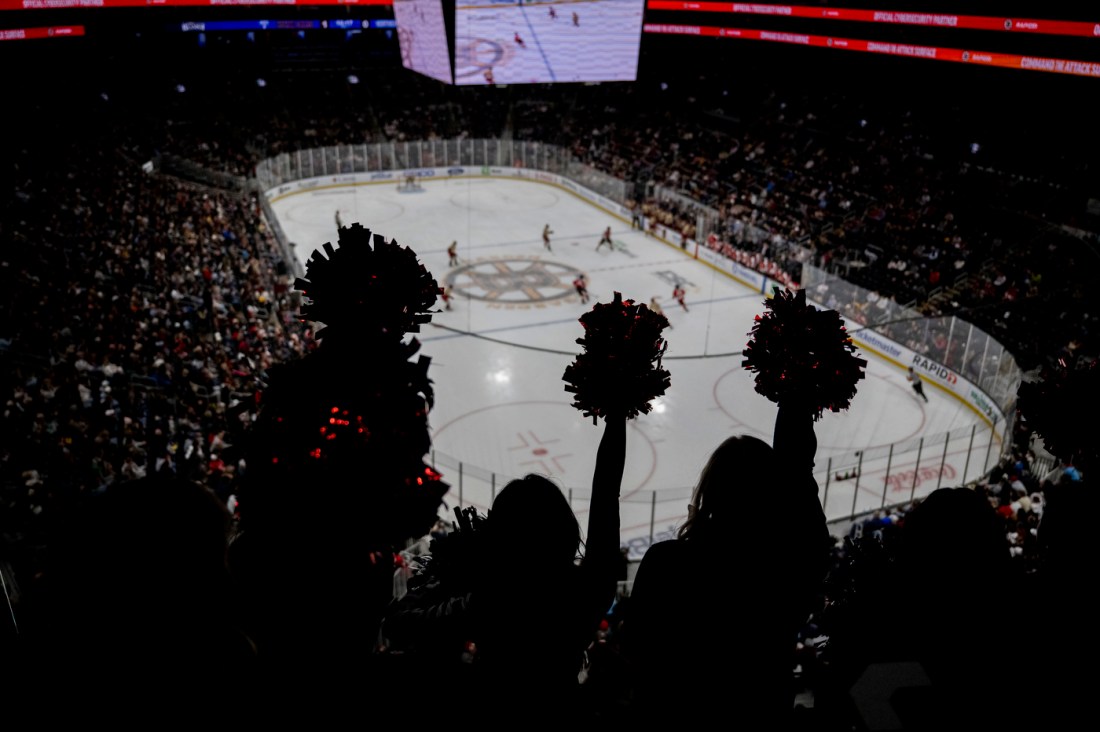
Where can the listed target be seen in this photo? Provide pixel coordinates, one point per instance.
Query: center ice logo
(514, 281)
(474, 56)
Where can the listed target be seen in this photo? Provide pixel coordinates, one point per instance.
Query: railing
(638, 513)
(410, 156)
(958, 346)
(851, 484)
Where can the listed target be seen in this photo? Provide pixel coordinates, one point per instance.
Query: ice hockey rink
(499, 354)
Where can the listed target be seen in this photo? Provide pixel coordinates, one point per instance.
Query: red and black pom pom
(620, 370)
(803, 355)
(365, 289)
(347, 424)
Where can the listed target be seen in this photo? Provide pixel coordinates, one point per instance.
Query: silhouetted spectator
(336, 482)
(529, 600)
(1063, 604)
(934, 605)
(717, 635)
(135, 613)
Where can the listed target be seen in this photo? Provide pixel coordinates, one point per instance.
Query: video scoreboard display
(490, 42)
(422, 35)
(534, 43)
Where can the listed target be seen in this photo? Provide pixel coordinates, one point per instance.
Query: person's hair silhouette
(735, 586)
(752, 460)
(525, 590)
(530, 507)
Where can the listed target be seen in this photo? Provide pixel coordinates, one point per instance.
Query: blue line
(535, 36)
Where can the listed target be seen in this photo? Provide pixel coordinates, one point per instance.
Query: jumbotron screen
(513, 42)
(422, 36)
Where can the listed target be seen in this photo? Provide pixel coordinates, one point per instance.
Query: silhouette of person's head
(954, 538)
(738, 460)
(154, 540)
(138, 582)
(533, 513)
(1064, 601)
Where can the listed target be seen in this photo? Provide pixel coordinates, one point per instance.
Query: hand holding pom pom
(620, 371)
(803, 355)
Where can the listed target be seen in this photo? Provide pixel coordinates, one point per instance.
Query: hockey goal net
(409, 184)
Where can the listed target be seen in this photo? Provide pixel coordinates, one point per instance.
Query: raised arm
(809, 543)
(795, 442)
(602, 539)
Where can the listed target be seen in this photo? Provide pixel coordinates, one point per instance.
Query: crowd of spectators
(138, 317)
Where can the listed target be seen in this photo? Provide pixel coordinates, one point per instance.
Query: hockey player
(581, 287)
(519, 41)
(576, 20)
(452, 254)
(606, 239)
(546, 232)
(553, 13)
(918, 385)
(678, 294)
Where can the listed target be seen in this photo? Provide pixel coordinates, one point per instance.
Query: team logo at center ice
(476, 55)
(514, 281)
